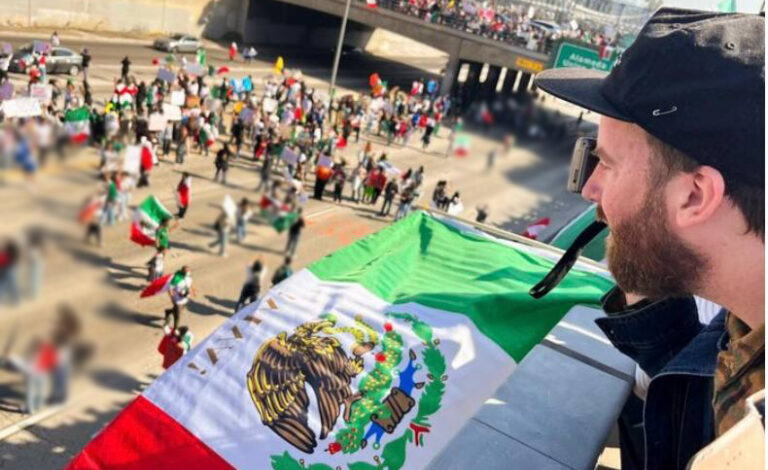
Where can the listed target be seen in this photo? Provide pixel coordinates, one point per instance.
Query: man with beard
(680, 183)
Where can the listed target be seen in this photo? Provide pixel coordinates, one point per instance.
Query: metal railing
(455, 21)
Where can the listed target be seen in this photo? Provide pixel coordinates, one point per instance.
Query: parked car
(59, 60)
(178, 43)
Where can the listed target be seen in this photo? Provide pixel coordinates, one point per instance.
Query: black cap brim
(580, 87)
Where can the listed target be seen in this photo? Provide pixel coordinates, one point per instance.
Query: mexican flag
(276, 214)
(534, 230)
(77, 124)
(146, 219)
(164, 284)
(371, 358)
(461, 145)
(371, 3)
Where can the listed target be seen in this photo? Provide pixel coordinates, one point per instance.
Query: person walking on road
(86, 63)
(222, 164)
(223, 227)
(126, 68)
(232, 51)
(283, 272)
(179, 294)
(242, 216)
(390, 191)
(254, 276)
(294, 231)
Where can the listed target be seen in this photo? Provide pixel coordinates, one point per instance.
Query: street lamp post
(337, 56)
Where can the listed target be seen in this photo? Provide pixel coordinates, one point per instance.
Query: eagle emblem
(285, 365)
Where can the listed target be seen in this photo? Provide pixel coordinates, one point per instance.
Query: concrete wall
(214, 18)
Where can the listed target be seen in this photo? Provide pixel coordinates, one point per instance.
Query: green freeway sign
(574, 55)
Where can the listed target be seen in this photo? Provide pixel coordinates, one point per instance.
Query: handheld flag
(146, 219)
(164, 284)
(77, 124)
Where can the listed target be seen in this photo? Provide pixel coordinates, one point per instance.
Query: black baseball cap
(693, 79)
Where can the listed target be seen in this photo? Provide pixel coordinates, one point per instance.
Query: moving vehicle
(178, 43)
(59, 60)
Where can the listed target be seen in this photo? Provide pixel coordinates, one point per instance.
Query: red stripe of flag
(143, 436)
(156, 286)
(137, 236)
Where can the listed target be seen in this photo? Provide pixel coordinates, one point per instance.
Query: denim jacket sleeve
(650, 333)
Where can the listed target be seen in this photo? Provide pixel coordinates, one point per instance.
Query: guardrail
(455, 21)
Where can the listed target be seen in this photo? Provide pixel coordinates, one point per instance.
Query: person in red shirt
(174, 345)
(379, 181)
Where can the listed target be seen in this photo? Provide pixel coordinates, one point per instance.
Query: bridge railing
(455, 21)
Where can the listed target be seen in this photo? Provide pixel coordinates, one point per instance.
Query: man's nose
(592, 190)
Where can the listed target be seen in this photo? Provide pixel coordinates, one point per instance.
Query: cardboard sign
(166, 75)
(171, 112)
(177, 97)
(269, 105)
(7, 48)
(192, 102)
(157, 122)
(21, 107)
(42, 93)
(194, 69)
(6, 91)
(132, 159)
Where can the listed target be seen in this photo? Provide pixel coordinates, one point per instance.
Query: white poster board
(178, 97)
(171, 112)
(325, 161)
(157, 122)
(42, 93)
(269, 105)
(132, 159)
(21, 107)
(289, 156)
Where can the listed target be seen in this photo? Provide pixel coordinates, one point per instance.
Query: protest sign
(192, 102)
(177, 97)
(171, 112)
(157, 122)
(40, 92)
(213, 105)
(289, 156)
(194, 69)
(6, 91)
(269, 105)
(21, 107)
(132, 160)
(325, 161)
(166, 75)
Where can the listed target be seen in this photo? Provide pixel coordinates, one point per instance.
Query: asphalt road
(103, 283)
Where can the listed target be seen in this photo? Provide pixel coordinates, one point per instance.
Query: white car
(178, 43)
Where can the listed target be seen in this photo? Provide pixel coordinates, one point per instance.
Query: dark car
(59, 60)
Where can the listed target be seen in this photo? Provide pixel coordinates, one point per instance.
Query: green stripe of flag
(423, 260)
(79, 114)
(154, 209)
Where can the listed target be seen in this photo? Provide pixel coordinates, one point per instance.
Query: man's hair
(749, 199)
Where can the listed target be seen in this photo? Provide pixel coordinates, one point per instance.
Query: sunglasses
(583, 163)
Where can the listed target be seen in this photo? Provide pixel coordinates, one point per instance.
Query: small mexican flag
(534, 230)
(277, 215)
(77, 124)
(420, 322)
(164, 284)
(147, 217)
(461, 146)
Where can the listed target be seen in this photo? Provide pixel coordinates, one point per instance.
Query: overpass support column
(491, 81)
(525, 80)
(473, 80)
(450, 75)
(509, 81)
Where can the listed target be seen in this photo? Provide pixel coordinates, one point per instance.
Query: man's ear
(696, 196)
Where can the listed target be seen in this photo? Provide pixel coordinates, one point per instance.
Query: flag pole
(337, 56)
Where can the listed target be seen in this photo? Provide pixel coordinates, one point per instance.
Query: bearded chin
(647, 259)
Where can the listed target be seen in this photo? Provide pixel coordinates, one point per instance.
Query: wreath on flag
(376, 384)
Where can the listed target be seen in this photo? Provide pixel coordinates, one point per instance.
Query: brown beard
(647, 259)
